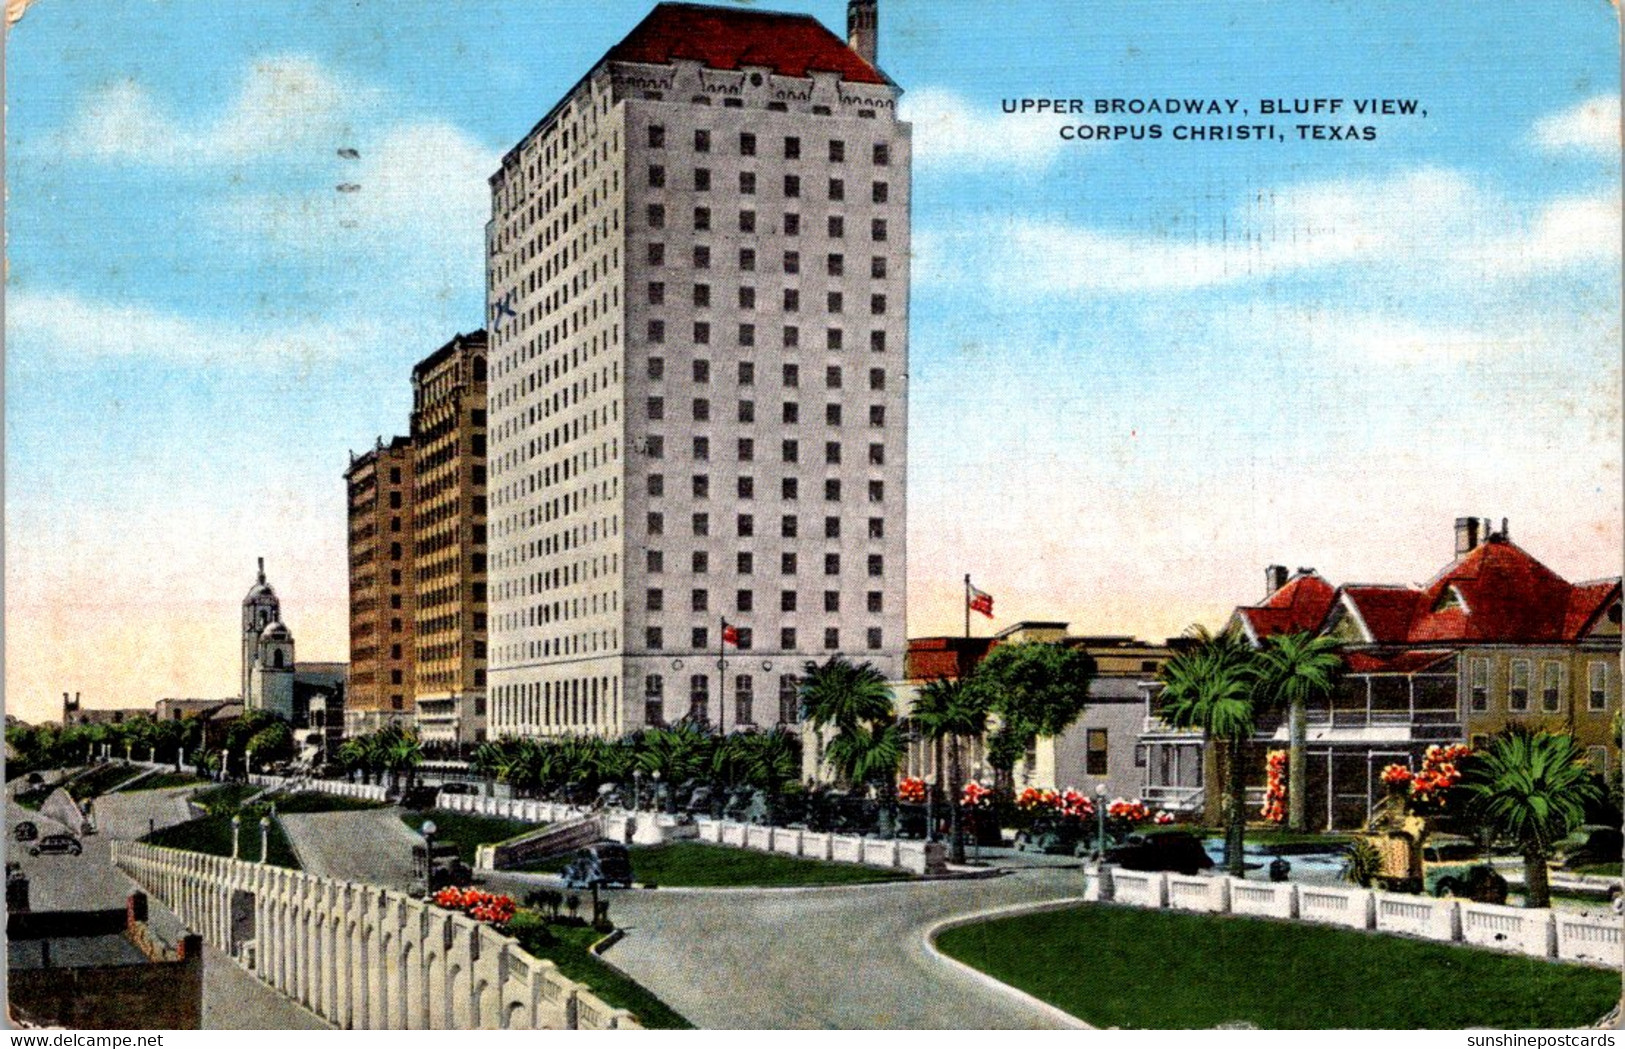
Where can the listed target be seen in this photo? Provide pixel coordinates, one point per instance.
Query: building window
(747, 373)
(876, 602)
(787, 601)
(832, 414)
(702, 449)
(747, 182)
(837, 226)
(747, 335)
(700, 600)
(832, 600)
(1518, 687)
(835, 302)
(655, 600)
(1597, 693)
(789, 488)
(833, 338)
(746, 526)
(877, 528)
(792, 300)
(877, 229)
(792, 224)
(744, 600)
(657, 216)
(832, 490)
(877, 415)
(792, 186)
(787, 638)
(832, 639)
(1551, 687)
(832, 528)
(744, 563)
(792, 262)
(832, 377)
(702, 410)
(702, 179)
(699, 695)
(879, 192)
(657, 485)
(877, 454)
(1094, 759)
(792, 375)
(792, 336)
(702, 524)
(657, 367)
(789, 695)
(837, 151)
(700, 562)
(747, 144)
(747, 449)
(832, 453)
(787, 526)
(656, 523)
(657, 254)
(1480, 684)
(744, 694)
(877, 341)
(654, 561)
(702, 257)
(877, 304)
(702, 370)
(790, 451)
(1140, 755)
(837, 189)
(652, 638)
(701, 486)
(787, 563)
(747, 487)
(657, 331)
(656, 408)
(877, 565)
(882, 154)
(657, 176)
(747, 259)
(657, 292)
(657, 136)
(654, 698)
(791, 413)
(873, 639)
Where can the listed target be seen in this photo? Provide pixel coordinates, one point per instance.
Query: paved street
(820, 958)
(232, 998)
(372, 846)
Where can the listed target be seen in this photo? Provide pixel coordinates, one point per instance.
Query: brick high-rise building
(382, 593)
(698, 282)
(448, 564)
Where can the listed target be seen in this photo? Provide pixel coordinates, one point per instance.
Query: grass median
(468, 831)
(568, 947)
(1121, 967)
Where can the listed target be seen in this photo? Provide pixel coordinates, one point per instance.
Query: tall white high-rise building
(698, 281)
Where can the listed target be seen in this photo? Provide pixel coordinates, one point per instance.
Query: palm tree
(864, 754)
(1211, 688)
(1294, 668)
(402, 755)
(1531, 788)
(844, 694)
(952, 710)
(352, 754)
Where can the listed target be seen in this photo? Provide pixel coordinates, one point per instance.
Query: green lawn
(317, 801)
(1162, 969)
(212, 834)
(1610, 869)
(570, 953)
(227, 797)
(165, 780)
(467, 830)
(95, 784)
(689, 864)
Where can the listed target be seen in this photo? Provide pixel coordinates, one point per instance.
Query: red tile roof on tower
(1298, 606)
(729, 38)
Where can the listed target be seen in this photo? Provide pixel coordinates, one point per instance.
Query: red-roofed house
(1495, 638)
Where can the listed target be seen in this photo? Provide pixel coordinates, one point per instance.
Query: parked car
(26, 831)
(1481, 884)
(58, 843)
(1053, 837)
(420, 798)
(1175, 850)
(605, 865)
(456, 788)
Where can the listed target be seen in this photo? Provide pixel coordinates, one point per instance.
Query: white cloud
(952, 133)
(1432, 223)
(284, 105)
(69, 328)
(1591, 126)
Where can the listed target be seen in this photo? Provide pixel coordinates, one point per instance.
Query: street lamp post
(236, 836)
(654, 802)
(976, 835)
(1100, 819)
(428, 830)
(637, 790)
(265, 839)
(930, 807)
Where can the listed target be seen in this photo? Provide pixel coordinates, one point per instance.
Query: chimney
(863, 29)
(1274, 579)
(1506, 530)
(1466, 535)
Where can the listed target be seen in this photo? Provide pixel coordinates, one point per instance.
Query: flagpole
(967, 604)
(722, 677)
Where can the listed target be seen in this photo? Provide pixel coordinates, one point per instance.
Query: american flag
(980, 602)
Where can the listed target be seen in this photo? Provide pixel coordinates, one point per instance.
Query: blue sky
(1140, 370)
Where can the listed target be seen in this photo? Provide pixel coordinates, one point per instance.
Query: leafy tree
(952, 710)
(1531, 788)
(1292, 669)
(1037, 689)
(1211, 688)
(402, 755)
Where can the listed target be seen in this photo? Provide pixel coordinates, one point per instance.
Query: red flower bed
(911, 789)
(481, 906)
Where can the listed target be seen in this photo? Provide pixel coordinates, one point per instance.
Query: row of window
(790, 413)
(789, 226)
(1521, 689)
(654, 639)
(834, 265)
(789, 528)
(654, 446)
(745, 564)
(834, 302)
(880, 153)
(745, 488)
(834, 374)
(699, 699)
(745, 600)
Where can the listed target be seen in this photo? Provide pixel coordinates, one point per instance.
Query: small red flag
(980, 602)
(730, 636)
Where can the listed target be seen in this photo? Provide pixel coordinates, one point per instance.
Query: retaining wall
(339, 787)
(364, 957)
(1568, 935)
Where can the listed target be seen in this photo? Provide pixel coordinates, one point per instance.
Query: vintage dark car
(26, 831)
(1480, 883)
(457, 788)
(1055, 837)
(419, 798)
(605, 865)
(1173, 850)
(57, 843)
